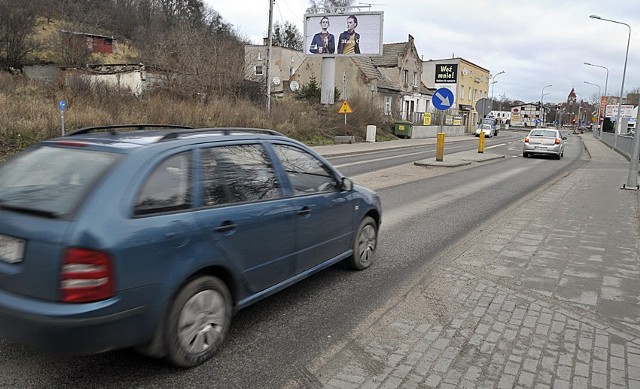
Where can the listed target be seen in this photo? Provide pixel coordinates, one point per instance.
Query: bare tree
(196, 63)
(73, 48)
(176, 12)
(17, 21)
(331, 5)
(287, 35)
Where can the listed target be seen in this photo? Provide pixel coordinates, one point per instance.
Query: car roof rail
(220, 131)
(113, 129)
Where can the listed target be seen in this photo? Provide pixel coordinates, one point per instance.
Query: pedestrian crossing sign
(345, 108)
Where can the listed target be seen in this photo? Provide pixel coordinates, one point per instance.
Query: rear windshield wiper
(31, 211)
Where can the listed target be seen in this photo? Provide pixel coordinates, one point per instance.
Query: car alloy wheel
(365, 244)
(198, 322)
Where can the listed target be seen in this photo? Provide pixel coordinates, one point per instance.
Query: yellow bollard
(440, 147)
(481, 142)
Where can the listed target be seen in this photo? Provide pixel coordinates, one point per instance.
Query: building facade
(391, 81)
(284, 65)
(525, 115)
(468, 82)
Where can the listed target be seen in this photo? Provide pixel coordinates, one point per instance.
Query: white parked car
(487, 129)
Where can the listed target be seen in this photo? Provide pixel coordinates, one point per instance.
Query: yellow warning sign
(345, 108)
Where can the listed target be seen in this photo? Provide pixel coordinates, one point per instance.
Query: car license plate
(11, 249)
(540, 148)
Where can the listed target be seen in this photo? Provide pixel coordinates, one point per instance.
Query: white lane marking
(387, 158)
(494, 146)
(402, 213)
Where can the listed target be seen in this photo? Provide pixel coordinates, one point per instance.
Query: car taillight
(557, 141)
(526, 140)
(86, 275)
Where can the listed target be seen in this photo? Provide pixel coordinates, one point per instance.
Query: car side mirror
(347, 184)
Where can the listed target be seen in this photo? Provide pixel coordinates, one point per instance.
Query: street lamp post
(494, 82)
(606, 81)
(589, 83)
(632, 179)
(542, 104)
(624, 73)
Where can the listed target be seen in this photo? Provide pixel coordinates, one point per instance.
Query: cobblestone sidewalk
(548, 299)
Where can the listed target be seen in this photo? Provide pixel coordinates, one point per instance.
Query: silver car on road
(544, 141)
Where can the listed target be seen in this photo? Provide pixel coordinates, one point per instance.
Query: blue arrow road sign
(62, 105)
(442, 99)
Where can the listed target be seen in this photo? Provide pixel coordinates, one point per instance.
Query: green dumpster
(403, 129)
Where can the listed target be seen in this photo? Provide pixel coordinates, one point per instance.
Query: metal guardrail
(623, 145)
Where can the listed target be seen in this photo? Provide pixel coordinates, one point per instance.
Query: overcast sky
(535, 42)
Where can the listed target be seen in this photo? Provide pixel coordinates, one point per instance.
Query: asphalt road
(274, 343)
(356, 164)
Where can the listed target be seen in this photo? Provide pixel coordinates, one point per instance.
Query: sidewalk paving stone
(538, 302)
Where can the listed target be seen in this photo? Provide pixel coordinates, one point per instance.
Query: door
(245, 216)
(324, 212)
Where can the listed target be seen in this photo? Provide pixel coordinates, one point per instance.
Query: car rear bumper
(71, 328)
(538, 149)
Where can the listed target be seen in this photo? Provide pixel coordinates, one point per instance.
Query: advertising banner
(334, 35)
(626, 111)
(604, 100)
(446, 74)
(426, 120)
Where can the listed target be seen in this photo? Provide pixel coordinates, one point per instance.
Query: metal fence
(623, 143)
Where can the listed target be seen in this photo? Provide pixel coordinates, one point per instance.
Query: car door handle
(226, 226)
(304, 211)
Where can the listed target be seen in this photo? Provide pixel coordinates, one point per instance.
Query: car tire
(525, 155)
(198, 321)
(364, 245)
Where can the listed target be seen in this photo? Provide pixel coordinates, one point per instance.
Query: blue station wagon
(152, 236)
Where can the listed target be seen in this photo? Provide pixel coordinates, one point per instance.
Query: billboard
(332, 35)
(446, 73)
(626, 111)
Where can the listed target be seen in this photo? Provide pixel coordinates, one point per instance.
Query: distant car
(487, 129)
(153, 236)
(544, 141)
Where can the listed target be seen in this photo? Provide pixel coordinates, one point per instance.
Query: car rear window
(545, 133)
(51, 180)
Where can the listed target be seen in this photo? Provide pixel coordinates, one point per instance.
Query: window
(387, 105)
(53, 179)
(461, 91)
(260, 56)
(168, 188)
(307, 174)
(415, 78)
(233, 174)
(258, 70)
(405, 77)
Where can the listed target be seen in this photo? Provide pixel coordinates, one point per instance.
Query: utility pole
(268, 59)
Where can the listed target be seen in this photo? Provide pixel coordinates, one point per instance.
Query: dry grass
(47, 34)
(29, 113)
